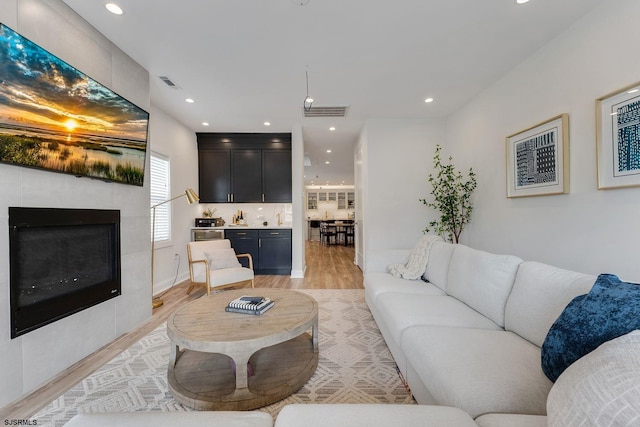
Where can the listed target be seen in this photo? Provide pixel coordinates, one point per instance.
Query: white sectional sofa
(469, 333)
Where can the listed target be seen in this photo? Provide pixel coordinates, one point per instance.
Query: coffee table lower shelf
(207, 382)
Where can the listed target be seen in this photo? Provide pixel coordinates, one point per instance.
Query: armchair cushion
(225, 276)
(222, 258)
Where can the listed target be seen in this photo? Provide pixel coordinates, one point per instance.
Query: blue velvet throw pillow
(610, 309)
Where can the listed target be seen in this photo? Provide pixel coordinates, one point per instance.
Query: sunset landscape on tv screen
(54, 117)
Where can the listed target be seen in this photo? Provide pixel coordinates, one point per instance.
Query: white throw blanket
(416, 263)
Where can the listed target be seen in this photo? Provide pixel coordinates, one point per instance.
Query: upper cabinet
(244, 168)
(214, 175)
(312, 200)
(276, 176)
(246, 176)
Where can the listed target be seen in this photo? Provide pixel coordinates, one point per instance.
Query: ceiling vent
(166, 80)
(326, 112)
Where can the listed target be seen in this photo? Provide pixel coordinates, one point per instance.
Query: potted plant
(451, 197)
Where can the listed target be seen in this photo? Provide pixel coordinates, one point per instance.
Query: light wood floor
(328, 267)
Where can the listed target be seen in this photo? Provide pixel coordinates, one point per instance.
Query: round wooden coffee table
(209, 346)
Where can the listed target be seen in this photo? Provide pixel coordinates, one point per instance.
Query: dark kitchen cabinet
(244, 168)
(276, 176)
(246, 176)
(269, 248)
(214, 178)
(275, 251)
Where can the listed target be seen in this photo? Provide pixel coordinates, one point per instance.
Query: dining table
(343, 230)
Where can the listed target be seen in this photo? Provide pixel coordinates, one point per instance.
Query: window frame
(157, 195)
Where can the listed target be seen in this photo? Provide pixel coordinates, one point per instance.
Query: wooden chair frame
(206, 284)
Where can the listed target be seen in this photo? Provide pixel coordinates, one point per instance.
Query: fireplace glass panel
(59, 260)
(62, 261)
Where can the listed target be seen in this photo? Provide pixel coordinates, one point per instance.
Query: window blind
(160, 190)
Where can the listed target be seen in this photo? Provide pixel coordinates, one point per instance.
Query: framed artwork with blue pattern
(538, 159)
(618, 138)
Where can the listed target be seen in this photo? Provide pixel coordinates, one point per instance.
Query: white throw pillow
(601, 388)
(222, 258)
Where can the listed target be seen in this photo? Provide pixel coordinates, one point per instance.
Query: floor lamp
(192, 197)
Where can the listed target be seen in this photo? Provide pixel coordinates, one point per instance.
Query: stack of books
(249, 305)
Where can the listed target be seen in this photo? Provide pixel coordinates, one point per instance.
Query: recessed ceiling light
(521, 1)
(267, 123)
(114, 8)
(190, 101)
(205, 124)
(332, 128)
(633, 90)
(328, 151)
(428, 100)
(327, 162)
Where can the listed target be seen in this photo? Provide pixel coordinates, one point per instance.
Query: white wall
(172, 139)
(588, 230)
(298, 233)
(32, 359)
(397, 156)
(360, 174)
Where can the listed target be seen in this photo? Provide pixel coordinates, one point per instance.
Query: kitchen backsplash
(255, 213)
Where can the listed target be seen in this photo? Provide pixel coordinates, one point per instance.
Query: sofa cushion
(478, 370)
(170, 419)
(609, 310)
(539, 295)
(402, 311)
(416, 263)
(482, 280)
(511, 420)
(366, 415)
(438, 265)
(376, 284)
(600, 389)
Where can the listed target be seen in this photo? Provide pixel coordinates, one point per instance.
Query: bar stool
(314, 225)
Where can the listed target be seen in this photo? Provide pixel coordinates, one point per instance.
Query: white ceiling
(244, 61)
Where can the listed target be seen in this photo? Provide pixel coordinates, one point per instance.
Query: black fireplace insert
(62, 261)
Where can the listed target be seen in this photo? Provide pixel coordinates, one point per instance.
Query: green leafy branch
(451, 197)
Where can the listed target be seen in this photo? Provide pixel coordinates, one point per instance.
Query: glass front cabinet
(312, 200)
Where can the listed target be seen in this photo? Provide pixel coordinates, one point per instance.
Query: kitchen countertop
(249, 227)
(330, 219)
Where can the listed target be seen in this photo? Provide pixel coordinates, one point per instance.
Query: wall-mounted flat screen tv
(54, 117)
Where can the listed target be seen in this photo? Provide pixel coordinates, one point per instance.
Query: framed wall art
(538, 159)
(618, 138)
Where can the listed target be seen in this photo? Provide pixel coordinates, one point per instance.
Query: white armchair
(214, 264)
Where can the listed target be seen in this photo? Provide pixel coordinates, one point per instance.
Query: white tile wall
(34, 358)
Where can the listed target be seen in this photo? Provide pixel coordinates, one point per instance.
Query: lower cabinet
(269, 248)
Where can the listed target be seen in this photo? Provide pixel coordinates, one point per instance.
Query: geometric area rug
(354, 366)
